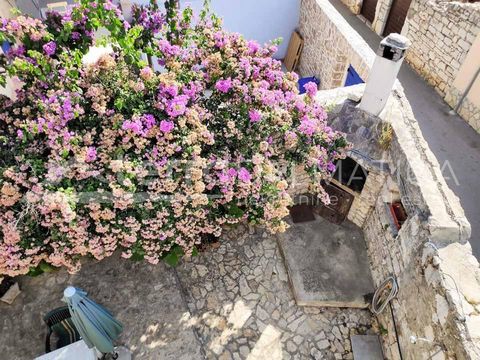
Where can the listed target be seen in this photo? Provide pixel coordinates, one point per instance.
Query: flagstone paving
(233, 301)
(242, 306)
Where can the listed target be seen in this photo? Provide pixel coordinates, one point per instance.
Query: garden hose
(384, 294)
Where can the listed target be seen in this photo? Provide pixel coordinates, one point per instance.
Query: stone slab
(327, 264)
(366, 347)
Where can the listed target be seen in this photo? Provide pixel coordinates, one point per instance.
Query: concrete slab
(366, 347)
(327, 264)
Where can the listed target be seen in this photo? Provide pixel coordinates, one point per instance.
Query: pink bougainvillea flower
(255, 116)
(146, 73)
(311, 88)
(177, 106)
(50, 48)
(133, 125)
(162, 147)
(166, 126)
(224, 86)
(244, 175)
(91, 154)
(253, 47)
(307, 126)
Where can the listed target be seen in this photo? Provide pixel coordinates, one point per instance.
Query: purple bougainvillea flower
(331, 167)
(20, 134)
(91, 154)
(311, 88)
(149, 120)
(244, 175)
(177, 106)
(253, 47)
(307, 126)
(166, 126)
(255, 116)
(224, 85)
(50, 48)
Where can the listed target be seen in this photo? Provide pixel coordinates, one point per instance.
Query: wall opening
(351, 174)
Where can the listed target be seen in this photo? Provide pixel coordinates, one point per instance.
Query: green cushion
(66, 333)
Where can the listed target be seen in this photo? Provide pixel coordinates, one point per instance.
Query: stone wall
(381, 15)
(425, 256)
(330, 45)
(364, 203)
(438, 277)
(441, 34)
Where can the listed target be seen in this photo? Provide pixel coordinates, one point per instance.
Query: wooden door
(396, 17)
(341, 201)
(368, 9)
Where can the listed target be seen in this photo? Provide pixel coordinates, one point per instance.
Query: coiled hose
(387, 290)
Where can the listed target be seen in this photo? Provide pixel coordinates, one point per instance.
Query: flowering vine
(111, 154)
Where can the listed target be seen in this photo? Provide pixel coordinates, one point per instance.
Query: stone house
(445, 47)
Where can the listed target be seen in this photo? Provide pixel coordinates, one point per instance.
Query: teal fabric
(96, 325)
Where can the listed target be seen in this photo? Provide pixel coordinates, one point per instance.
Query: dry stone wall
(441, 34)
(364, 203)
(381, 15)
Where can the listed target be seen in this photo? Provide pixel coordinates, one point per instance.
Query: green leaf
(235, 211)
(194, 251)
(35, 271)
(171, 259)
(174, 256)
(46, 267)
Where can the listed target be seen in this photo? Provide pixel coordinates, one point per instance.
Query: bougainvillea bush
(105, 152)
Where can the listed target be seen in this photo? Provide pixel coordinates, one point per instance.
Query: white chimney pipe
(390, 55)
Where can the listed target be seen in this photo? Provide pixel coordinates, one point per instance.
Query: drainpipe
(390, 55)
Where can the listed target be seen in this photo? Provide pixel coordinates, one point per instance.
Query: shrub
(101, 153)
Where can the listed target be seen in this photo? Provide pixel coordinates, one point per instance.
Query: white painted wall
(261, 20)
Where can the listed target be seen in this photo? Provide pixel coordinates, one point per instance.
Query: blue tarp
(5, 46)
(305, 80)
(352, 77)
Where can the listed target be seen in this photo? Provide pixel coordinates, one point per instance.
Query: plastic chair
(60, 323)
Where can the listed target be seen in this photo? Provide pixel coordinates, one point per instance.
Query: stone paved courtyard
(233, 301)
